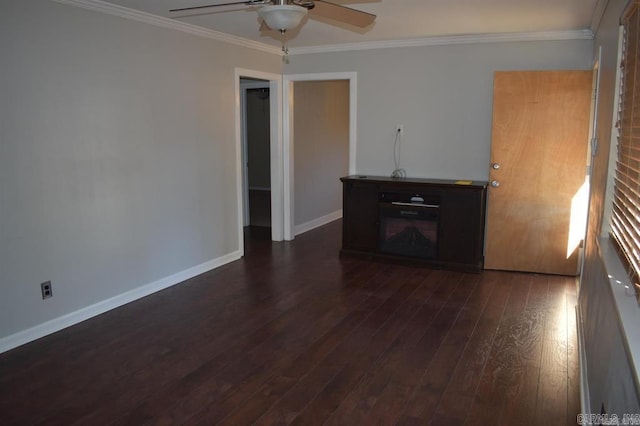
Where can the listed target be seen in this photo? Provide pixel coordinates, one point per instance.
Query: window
(625, 220)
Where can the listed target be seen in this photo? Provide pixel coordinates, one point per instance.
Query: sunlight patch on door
(578, 223)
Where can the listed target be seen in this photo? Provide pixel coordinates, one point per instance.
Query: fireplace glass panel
(409, 231)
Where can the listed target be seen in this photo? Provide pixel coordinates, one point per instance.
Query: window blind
(625, 221)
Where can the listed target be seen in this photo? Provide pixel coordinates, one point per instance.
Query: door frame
(276, 153)
(287, 135)
(592, 151)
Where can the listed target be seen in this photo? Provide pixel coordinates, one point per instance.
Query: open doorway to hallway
(246, 79)
(256, 148)
(319, 145)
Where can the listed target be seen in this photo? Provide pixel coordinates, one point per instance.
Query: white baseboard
(316, 223)
(57, 324)
(585, 402)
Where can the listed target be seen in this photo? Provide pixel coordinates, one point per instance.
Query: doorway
(256, 147)
(273, 155)
(290, 228)
(320, 151)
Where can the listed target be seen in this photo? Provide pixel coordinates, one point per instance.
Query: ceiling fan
(283, 15)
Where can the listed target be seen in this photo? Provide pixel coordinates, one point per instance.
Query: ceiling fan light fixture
(282, 17)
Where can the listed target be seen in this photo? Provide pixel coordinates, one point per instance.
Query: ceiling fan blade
(341, 13)
(247, 2)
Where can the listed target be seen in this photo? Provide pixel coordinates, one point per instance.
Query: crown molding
(447, 40)
(159, 21)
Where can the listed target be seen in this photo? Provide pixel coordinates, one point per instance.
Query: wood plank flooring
(291, 334)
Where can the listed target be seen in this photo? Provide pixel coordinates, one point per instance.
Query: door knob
(495, 166)
(495, 183)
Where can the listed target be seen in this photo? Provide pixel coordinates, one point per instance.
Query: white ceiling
(397, 19)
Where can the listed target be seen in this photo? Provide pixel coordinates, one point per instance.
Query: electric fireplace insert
(409, 225)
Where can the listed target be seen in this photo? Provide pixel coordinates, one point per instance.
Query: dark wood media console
(436, 222)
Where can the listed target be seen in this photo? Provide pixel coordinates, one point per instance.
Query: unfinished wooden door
(538, 158)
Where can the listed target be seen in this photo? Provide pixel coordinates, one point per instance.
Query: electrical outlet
(47, 290)
(400, 129)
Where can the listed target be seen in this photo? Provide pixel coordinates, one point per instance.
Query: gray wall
(320, 147)
(117, 155)
(608, 362)
(441, 94)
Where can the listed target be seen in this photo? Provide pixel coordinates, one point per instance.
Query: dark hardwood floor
(293, 334)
